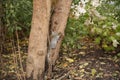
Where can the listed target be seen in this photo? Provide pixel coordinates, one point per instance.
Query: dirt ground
(87, 63)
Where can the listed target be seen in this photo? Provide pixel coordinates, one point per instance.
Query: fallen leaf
(65, 64)
(82, 70)
(70, 60)
(93, 72)
(84, 47)
(85, 64)
(102, 63)
(82, 53)
(81, 66)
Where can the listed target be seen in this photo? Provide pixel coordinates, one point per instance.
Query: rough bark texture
(58, 24)
(59, 21)
(37, 49)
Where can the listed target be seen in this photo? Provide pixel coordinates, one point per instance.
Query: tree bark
(58, 25)
(59, 21)
(37, 49)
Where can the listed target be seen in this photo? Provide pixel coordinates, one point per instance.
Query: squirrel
(54, 39)
(53, 42)
(52, 45)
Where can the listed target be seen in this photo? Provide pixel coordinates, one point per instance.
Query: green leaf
(97, 40)
(118, 54)
(107, 48)
(18, 28)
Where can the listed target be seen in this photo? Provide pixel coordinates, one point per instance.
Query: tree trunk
(37, 49)
(58, 25)
(59, 21)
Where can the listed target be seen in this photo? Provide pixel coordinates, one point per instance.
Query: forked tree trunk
(37, 49)
(58, 25)
(59, 21)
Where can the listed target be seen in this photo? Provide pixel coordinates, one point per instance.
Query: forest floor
(87, 63)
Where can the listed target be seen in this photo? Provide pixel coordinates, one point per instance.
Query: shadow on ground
(87, 63)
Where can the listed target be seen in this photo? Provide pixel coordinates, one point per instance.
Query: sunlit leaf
(93, 72)
(70, 60)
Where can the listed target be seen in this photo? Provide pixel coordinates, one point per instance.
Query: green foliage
(76, 1)
(18, 14)
(104, 28)
(105, 32)
(117, 7)
(75, 30)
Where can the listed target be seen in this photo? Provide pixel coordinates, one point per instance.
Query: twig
(20, 54)
(65, 75)
(15, 59)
